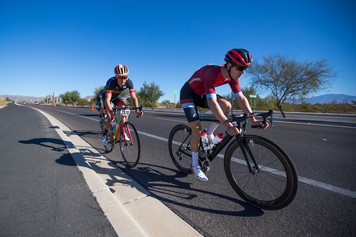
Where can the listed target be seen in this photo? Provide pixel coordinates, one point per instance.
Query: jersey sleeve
(108, 86)
(130, 86)
(235, 87)
(210, 77)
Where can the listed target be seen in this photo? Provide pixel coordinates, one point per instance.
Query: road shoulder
(131, 210)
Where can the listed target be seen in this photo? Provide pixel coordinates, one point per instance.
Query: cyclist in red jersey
(199, 90)
(114, 86)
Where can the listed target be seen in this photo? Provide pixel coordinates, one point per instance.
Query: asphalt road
(323, 155)
(42, 192)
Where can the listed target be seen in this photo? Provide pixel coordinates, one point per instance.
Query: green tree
(167, 104)
(83, 102)
(97, 90)
(70, 97)
(150, 94)
(285, 78)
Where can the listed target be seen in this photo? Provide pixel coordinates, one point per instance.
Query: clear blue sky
(51, 47)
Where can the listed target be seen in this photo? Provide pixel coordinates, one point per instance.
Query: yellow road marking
(322, 125)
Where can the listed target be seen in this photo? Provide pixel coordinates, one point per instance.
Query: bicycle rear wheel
(272, 186)
(179, 147)
(130, 144)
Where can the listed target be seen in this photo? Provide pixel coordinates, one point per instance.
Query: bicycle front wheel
(272, 184)
(179, 147)
(130, 144)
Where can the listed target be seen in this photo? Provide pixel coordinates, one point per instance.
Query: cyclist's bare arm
(139, 113)
(246, 108)
(216, 109)
(219, 114)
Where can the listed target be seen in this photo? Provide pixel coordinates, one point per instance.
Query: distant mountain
(21, 98)
(331, 98)
(327, 99)
(89, 97)
(321, 99)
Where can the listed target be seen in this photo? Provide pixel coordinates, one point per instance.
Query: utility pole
(175, 93)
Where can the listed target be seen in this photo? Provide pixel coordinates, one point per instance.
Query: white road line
(77, 115)
(153, 136)
(312, 182)
(329, 187)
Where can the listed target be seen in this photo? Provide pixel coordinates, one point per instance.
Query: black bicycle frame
(246, 151)
(219, 147)
(244, 148)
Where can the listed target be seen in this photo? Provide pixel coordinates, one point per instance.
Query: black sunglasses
(241, 68)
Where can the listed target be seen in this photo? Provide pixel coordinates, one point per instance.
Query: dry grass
(2, 101)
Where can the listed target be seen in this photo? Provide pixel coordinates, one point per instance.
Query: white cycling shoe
(105, 141)
(199, 174)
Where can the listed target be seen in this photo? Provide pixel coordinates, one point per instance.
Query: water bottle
(215, 140)
(205, 141)
(218, 138)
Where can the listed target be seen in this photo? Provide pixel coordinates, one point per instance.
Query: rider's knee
(229, 106)
(196, 127)
(224, 104)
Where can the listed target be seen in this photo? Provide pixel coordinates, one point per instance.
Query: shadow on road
(55, 145)
(172, 191)
(162, 182)
(52, 143)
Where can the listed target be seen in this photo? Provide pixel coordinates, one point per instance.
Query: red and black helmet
(238, 57)
(121, 70)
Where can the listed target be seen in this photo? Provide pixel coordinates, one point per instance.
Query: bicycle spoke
(179, 147)
(267, 186)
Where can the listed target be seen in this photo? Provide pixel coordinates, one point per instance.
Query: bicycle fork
(125, 127)
(248, 154)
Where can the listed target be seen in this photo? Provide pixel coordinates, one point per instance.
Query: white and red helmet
(121, 70)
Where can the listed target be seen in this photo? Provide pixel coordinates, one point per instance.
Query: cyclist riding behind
(114, 86)
(100, 105)
(199, 90)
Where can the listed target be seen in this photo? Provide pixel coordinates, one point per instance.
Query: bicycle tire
(130, 145)
(274, 186)
(179, 147)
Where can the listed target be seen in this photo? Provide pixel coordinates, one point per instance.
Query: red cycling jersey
(208, 77)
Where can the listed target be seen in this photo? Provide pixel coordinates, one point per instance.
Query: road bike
(258, 170)
(123, 132)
